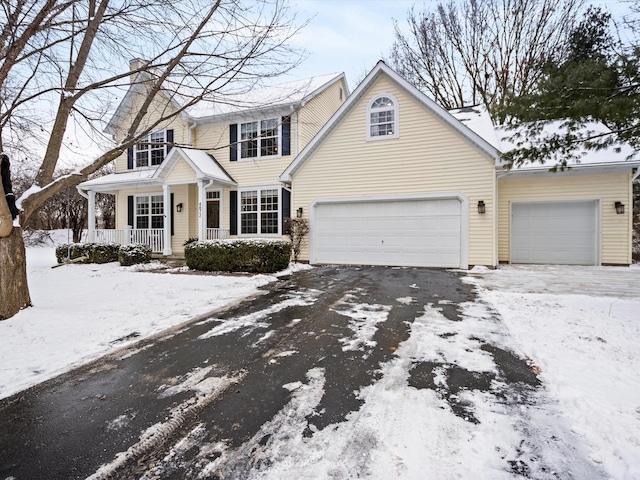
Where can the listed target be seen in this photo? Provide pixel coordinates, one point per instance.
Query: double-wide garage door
(403, 232)
(563, 233)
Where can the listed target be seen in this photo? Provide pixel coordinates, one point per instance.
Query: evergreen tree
(598, 81)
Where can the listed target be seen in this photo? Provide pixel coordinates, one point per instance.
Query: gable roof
(379, 70)
(204, 165)
(286, 95)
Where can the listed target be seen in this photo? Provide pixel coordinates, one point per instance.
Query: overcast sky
(350, 36)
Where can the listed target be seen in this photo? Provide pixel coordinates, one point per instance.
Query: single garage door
(562, 233)
(411, 232)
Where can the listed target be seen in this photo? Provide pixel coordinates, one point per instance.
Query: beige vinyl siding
(615, 238)
(181, 221)
(318, 111)
(305, 123)
(181, 173)
(262, 171)
(159, 107)
(428, 157)
(192, 208)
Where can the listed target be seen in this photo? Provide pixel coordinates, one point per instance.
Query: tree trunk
(14, 290)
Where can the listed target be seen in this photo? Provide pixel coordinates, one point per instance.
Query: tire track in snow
(156, 435)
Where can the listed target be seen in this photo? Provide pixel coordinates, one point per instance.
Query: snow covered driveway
(335, 373)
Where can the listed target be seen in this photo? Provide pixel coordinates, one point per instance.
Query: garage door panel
(554, 232)
(406, 233)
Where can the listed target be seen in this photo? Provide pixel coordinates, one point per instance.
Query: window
(259, 214)
(151, 150)
(260, 138)
(382, 119)
(149, 211)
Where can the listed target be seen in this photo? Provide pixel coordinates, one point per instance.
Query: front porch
(153, 237)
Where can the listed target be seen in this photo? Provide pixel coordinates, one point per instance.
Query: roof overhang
(576, 169)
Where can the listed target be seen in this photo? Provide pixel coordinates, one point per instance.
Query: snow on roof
(477, 119)
(135, 176)
(272, 96)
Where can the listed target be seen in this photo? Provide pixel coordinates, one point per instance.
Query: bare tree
(74, 55)
(479, 51)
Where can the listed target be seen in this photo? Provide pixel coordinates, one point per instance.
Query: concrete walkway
(616, 282)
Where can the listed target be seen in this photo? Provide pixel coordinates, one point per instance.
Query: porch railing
(217, 234)
(154, 237)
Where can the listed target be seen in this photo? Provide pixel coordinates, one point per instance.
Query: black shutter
(130, 158)
(233, 142)
(286, 135)
(130, 219)
(233, 212)
(169, 140)
(171, 214)
(286, 210)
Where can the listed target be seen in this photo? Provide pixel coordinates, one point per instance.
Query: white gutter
(191, 128)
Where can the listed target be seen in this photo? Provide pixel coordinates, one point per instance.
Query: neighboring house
(390, 178)
(220, 178)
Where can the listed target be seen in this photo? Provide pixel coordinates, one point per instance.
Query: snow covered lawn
(581, 327)
(81, 312)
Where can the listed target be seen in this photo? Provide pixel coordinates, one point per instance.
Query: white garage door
(563, 233)
(413, 232)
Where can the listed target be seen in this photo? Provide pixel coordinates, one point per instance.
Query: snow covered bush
(238, 255)
(133, 254)
(71, 251)
(103, 252)
(94, 252)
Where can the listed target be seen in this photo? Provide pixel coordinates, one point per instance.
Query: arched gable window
(382, 118)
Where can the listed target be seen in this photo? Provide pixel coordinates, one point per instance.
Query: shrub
(103, 252)
(133, 254)
(253, 256)
(73, 250)
(94, 252)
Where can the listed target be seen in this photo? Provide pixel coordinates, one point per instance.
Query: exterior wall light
(619, 208)
(481, 206)
(299, 212)
(179, 207)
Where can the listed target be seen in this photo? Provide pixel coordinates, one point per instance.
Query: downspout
(190, 133)
(496, 230)
(294, 122)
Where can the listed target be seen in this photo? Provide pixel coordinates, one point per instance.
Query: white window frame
(259, 210)
(149, 149)
(259, 138)
(150, 213)
(372, 110)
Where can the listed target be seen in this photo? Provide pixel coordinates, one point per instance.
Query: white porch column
(202, 211)
(91, 234)
(166, 190)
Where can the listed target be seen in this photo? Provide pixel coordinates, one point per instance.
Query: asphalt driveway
(192, 403)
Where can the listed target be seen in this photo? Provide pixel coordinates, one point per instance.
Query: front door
(213, 209)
